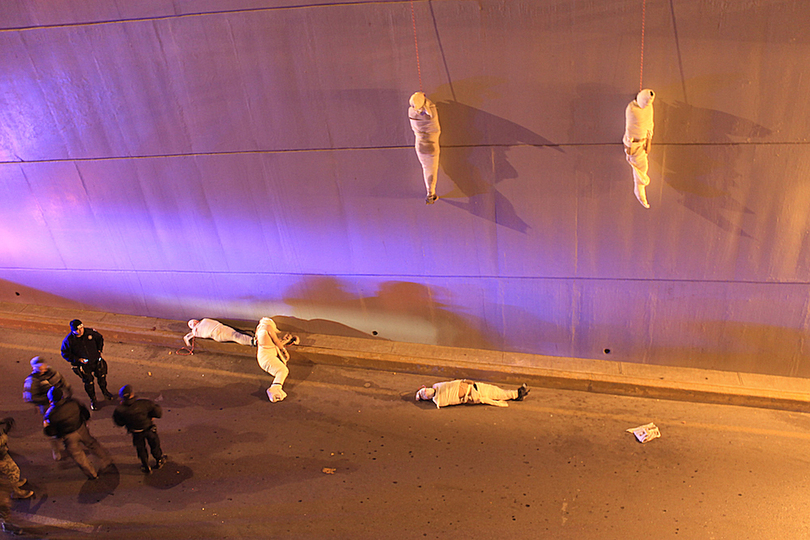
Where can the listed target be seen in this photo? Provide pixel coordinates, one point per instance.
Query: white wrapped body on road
(425, 125)
(211, 329)
(271, 357)
(462, 391)
(638, 133)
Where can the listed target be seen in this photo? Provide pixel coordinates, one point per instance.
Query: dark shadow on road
(205, 397)
(95, 491)
(169, 476)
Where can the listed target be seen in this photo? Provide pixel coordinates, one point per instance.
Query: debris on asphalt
(645, 433)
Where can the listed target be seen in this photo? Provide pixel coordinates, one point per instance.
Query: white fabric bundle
(637, 138)
(645, 433)
(270, 358)
(425, 125)
(211, 329)
(463, 391)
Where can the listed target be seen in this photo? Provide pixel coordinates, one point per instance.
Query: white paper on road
(645, 433)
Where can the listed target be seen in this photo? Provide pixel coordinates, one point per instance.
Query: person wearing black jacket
(66, 419)
(136, 415)
(35, 392)
(82, 347)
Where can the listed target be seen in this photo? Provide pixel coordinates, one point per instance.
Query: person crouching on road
(66, 419)
(136, 415)
(82, 347)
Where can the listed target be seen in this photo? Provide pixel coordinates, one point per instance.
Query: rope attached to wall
(416, 46)
(643, 24)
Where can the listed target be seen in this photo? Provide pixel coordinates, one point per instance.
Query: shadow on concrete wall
(598, 174)
(591, 106)
(475, 146)
(704, 174)
(396, 310)
(474, 151)
(384, 114)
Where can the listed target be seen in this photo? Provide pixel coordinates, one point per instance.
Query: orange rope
(643, 24)
(185, 351)
(416, 46)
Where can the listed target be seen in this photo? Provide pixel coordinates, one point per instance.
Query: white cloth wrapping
(425, 125)
(645, 433)
(637, 138)
(463, 391)
(211, 329)
(270, 358)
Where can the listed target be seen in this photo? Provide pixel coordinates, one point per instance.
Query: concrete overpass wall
(241, 158)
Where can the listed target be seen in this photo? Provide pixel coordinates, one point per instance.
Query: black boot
(90, 389)
(523, 391)
(10, 528)
(102, 383)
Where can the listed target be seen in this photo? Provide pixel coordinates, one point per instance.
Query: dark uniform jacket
(37, 385)
(89, 346)
(136, 414)
(65, 417)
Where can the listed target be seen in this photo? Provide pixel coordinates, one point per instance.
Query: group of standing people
(65, 418)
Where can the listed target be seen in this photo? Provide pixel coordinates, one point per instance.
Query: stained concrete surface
(238, 157)
(558, 465)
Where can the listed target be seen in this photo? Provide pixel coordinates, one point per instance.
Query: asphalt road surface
(350, 454)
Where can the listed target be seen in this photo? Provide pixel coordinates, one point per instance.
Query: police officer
(136, 415)
(66, 419)
(35, 392)
(82, 347)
